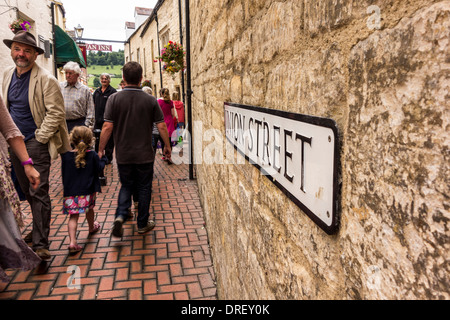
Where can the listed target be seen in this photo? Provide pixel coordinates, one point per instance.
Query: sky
(103, 19)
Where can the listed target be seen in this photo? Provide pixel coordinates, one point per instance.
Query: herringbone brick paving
(171, 262)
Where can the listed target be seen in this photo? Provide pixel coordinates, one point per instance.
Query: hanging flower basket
(19, 24)
(146, 83)
(173, 57)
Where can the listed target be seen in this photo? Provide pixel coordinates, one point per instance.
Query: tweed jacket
(47, 107)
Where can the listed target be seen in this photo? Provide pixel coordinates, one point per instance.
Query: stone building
(380, 71)
(40, 27)
(43, 15)
(38, 13)
(148, 38)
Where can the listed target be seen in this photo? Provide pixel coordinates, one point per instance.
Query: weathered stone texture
(397, 143)
(385, 80)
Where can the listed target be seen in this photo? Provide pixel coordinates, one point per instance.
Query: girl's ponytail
(80, 160)
(82, 139)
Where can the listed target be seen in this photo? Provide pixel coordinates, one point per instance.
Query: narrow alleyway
(171, 262)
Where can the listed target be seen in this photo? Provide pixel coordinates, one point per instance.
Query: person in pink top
(168, 110)
(179, 107)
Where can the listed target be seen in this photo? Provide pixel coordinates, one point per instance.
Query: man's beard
(24, 63)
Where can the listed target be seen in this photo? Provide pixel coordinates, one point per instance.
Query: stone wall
(380, 69)
(169, 23)
(134, 49)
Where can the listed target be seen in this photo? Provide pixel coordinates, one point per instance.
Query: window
(47, 48)
(24, 17)
(165, 38)
(41, 43)
(153, 56)
(145, 65)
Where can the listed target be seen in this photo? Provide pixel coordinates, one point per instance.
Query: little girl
(80, 174)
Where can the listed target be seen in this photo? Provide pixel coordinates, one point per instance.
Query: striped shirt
(78, 102)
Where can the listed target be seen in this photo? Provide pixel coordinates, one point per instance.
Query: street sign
(298, 153)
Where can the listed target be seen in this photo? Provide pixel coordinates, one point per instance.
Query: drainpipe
(181, 42)
(54, 44)
(189, 91)
(159, 50)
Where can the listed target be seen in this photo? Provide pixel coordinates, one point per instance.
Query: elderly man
(78, 99)
(101, 95)
(36, 105)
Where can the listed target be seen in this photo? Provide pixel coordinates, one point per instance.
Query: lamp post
(78, 35)
(79, 31)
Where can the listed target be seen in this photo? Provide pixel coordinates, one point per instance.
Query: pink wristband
(29, 161)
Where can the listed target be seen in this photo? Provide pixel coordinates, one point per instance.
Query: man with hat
(36, 104)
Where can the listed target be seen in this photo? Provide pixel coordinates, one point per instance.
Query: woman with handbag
(169, 112)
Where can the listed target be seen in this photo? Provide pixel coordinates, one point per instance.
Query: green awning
(66, 49)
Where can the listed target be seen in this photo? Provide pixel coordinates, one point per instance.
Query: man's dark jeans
(74, 123)
(39, 198)
(139, 176)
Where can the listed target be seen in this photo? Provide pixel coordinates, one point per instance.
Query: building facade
(39, 14)
(44, 16)
(148, 39)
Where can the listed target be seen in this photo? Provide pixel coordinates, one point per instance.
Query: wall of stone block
(380, 69)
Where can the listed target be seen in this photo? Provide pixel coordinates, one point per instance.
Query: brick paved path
(170, 262)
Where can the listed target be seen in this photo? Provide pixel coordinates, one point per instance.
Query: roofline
(135, 31)
(61, 6)
(152, 17)
(147, 21)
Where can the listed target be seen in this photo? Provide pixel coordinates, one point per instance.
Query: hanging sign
(98, 47)
(298, 153)
(82, 47)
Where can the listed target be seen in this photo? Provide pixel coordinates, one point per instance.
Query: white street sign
(298, 153)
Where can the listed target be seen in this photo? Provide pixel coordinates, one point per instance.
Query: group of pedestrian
(173, 110)
(35, 118)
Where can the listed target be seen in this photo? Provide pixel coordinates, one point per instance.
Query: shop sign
(298, 153)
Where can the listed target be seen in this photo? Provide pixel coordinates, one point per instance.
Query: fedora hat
(24, 37)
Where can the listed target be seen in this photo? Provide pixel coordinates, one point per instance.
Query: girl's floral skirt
(78, 204)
